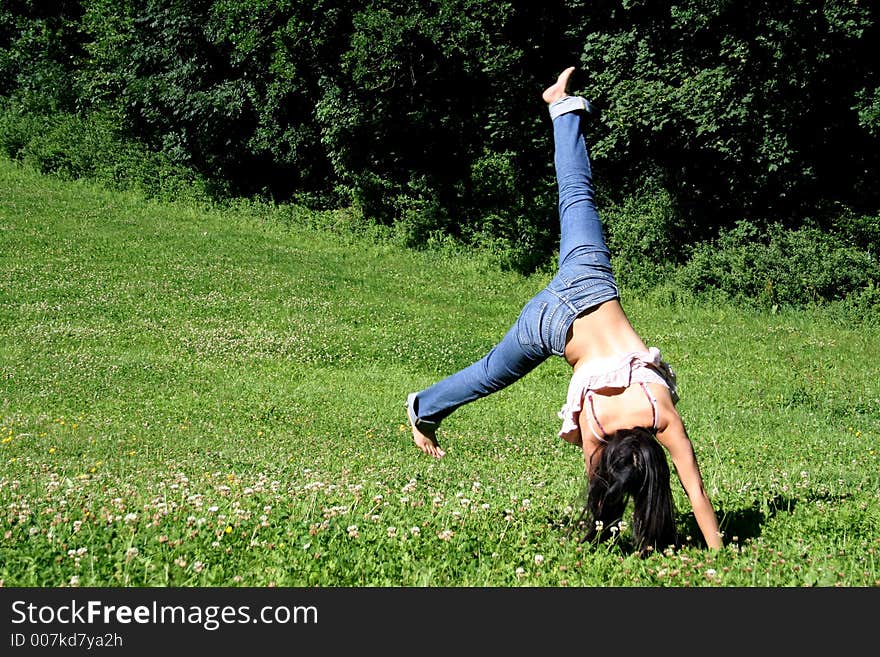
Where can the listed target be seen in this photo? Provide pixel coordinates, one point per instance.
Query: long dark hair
(632, 465)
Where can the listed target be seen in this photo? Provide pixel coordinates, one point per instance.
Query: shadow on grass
(745, 523)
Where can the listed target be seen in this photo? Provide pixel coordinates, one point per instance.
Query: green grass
(205, 397)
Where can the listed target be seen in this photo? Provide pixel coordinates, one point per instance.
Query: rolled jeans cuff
(569, 104)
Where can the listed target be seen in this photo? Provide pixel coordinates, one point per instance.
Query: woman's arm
(675, 439)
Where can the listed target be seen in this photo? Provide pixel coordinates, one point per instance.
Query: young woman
(621, 398)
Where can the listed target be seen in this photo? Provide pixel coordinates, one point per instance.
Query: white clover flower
(599, 525)
(353, 531)
(539, 559)
(446, 534)
(392, 532)
(710, 572)
(130, 517)
(520, 571)
(415, 531)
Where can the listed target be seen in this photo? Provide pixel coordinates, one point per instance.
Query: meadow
(196, 396)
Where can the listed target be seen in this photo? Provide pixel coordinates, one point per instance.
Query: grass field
(194, 397)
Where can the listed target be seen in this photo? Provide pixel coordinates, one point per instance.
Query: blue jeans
(583, 281)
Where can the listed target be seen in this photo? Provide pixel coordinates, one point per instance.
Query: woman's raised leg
(580, 224)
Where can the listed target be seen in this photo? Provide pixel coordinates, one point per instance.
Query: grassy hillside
(200, 397)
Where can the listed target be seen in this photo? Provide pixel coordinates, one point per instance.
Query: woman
(621, 398)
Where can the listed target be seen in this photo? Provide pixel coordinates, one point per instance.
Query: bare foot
(427, 443)
(424, 440)
(558, 89)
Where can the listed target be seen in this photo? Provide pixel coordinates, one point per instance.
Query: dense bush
(643, 233)
(783, 266)
(72, 147)
(17, 130)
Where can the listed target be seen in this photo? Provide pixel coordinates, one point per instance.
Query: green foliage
(227, 87)
(783, 267)
(17, 130)
(405, 112)
(869, 110)
(70, 147)
(748, 108)
(173, 84)
(40, 52)
(645, 237)
(436, 104)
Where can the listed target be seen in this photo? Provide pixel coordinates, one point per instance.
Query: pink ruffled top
(613, 372)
